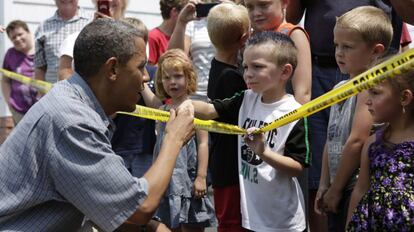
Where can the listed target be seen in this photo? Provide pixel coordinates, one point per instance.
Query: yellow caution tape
(140, 111)
(208, 125)
(388, 69)
(42, 86)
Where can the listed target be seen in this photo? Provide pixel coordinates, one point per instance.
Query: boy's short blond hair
(226, 24)
(178, 60)
(372, 23)
(139, 25)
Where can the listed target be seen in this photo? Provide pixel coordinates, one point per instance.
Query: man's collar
(80, 14)
(89, 98)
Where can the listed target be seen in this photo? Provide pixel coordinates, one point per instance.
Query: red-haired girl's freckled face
(174, 83)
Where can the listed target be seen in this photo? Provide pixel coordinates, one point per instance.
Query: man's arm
(294, 11)
(351, 153)
(404, 9)
(179, 129)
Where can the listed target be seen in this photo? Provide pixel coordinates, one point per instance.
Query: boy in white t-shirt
(271, 199)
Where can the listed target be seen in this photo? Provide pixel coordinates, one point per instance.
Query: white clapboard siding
(35, 11)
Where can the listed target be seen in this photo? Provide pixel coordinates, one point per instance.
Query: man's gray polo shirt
(57, 166)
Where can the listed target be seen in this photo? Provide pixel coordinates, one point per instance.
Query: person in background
(134, 137)
(185, 206)
(191, 35)
(319, 22)
(269, 163)
(50, 34)
(361, 36)
(117, 10)
(160, 36)
(19, 97)
(383, 197)
(63, 165)
(269, 15)
(228, 27)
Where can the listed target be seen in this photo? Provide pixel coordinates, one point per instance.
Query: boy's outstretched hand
(181, 122)
(255, 141)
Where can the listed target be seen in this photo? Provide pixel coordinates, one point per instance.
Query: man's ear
(287, 71)
(110, 68)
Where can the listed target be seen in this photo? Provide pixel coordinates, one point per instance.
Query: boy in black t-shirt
(228, 27)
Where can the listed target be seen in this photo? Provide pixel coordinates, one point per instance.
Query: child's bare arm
(351, 154)
(205, 111)
(200, 185)
(363, 183)
(302, 78)
(324, 182)
(178, 38)
(282, 163)
(150, 99)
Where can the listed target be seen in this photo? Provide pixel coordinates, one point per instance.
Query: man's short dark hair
(101, 40)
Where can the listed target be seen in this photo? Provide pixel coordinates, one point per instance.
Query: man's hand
(2, 29)
(331, 200)
(181, 123)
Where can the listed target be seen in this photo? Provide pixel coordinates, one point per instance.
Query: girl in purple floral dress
(383, 198)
